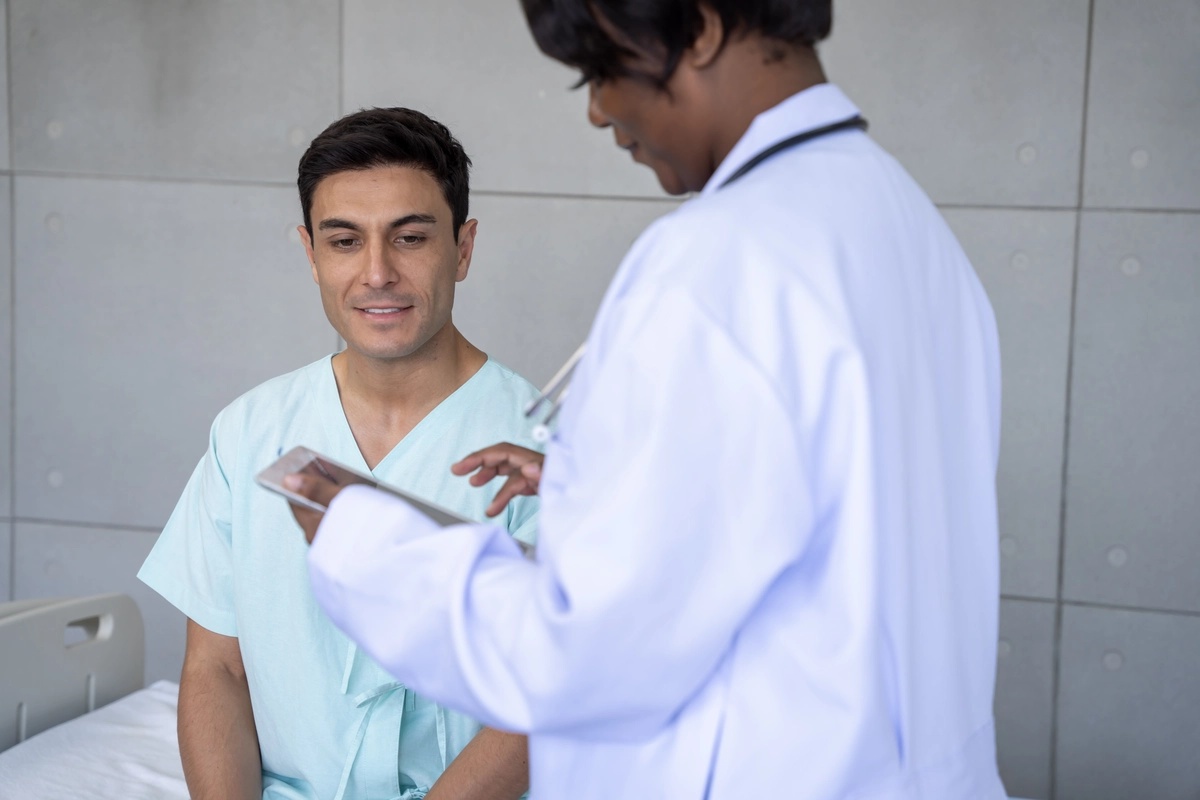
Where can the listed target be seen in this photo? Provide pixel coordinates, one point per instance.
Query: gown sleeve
(191, 564)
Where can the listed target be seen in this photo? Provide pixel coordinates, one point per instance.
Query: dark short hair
(569, 31)
(382, 137)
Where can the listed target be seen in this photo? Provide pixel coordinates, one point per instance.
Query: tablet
(301, 459)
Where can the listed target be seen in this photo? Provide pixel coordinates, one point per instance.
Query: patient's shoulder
(281, 394)
(268, 412)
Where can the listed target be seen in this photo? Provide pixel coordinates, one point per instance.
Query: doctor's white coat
(767, 563)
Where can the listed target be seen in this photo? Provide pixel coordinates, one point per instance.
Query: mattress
(127, 749)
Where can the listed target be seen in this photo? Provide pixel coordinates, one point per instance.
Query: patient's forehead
(381, 193)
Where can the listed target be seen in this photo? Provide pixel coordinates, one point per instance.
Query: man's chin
(381, 353)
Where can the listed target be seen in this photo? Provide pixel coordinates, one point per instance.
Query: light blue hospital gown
(331, 723)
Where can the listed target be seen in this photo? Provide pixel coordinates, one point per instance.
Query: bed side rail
(63, 657)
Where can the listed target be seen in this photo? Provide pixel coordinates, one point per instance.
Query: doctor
(767, 563)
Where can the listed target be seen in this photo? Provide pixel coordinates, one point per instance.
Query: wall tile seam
(1091, 604)
(8, 87)
(235, 183)
(12, 300)
(1080, 195)
(87, 525)
(1158, 610)
(1072, 209)
(1025, 598)
(531, 195)
(184, 180)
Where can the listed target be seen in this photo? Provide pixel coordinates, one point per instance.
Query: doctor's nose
(594, 114)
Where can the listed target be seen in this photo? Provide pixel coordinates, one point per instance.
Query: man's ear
(308, 248)
(466, 248)
(709, 41)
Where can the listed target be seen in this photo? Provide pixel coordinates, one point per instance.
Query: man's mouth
(383, 312)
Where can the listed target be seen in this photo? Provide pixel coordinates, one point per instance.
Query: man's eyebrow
(407, 219)
(417, 219)
(334, 222)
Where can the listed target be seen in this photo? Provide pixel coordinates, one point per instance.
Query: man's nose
(594, 115)
(380, 272)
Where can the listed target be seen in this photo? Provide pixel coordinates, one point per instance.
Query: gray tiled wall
(540, 269)
(147, 341)
(6, 552)
(6, 346)
(1127, 705)
(1144, 106)
(151, 151)
(1133, 509)
(4, 158)
(215, 89)
(982, 101)
(474, 66)
(1025, 259)
(1025, 696)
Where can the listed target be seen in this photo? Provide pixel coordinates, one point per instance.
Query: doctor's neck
(752, 74)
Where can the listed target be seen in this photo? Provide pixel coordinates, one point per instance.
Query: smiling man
(274, 701)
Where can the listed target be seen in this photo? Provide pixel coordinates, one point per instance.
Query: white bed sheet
(127, 750)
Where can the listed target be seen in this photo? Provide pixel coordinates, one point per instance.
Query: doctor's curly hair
(574, 31)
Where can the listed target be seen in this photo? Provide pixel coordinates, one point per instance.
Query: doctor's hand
(522, 466)
(316, 488)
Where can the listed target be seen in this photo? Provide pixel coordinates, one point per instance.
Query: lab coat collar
(812, 108)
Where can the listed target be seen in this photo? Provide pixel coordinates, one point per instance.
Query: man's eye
(342, 244)
(410, 239)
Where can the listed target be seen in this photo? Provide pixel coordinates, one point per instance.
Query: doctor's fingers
(516, 485)
(315, 488)
(492, 456)
(319, 490)
(499, 459)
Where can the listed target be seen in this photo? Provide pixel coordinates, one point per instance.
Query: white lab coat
(767, 561)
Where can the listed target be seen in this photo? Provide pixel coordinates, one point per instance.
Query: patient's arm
(217, 738)
(493, 766)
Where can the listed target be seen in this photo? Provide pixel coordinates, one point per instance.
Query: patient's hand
(316, 488)
(522, 466)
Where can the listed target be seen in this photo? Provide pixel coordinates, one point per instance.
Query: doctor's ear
(466, 248)
(710, 40)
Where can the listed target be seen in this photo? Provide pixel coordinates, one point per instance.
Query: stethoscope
(555, 392)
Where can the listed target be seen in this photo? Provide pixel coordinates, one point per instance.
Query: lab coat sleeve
(677, 501)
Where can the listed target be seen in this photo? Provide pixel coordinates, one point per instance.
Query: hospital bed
(74, 719)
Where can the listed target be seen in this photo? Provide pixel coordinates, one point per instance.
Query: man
(767, 562)
(385, 200)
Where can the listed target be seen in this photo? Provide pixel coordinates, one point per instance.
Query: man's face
(385, 258)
